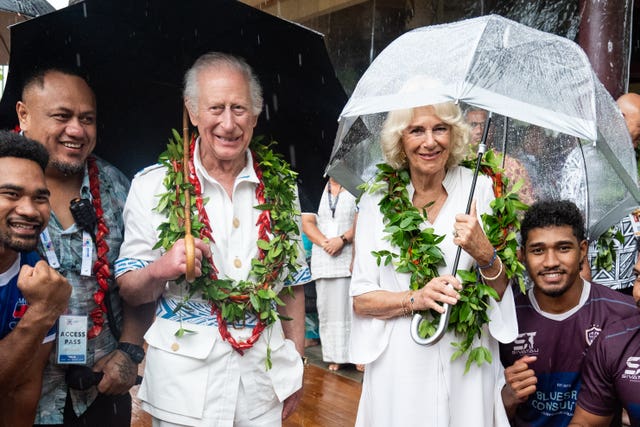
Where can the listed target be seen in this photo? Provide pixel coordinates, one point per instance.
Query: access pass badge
(72, 340)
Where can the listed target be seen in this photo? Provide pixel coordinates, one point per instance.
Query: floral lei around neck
(101, 265)
(276, 193)
(420, 256)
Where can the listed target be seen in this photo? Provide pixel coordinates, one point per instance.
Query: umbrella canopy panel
(498, 65)
(12, 12)
(134, 55)
(29, 8)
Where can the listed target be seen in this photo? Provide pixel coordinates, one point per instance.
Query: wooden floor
(328, 400)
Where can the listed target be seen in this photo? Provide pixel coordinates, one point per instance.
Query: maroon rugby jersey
(611, 371)
(560, 345)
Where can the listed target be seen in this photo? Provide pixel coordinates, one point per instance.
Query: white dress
(406, 384)
(332, 277)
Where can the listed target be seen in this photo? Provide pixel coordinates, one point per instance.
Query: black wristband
(135, 352)
(344, 239)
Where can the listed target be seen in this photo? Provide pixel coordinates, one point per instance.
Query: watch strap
(135, 352)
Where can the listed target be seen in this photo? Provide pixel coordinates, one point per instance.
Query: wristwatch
(135, 352)
(344, 239)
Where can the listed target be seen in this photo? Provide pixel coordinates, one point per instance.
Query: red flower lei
(264, 228)
(101, 266)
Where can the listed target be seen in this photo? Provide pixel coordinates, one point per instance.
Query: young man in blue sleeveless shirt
(32, 294)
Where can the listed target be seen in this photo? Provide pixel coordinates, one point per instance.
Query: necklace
(333, 205)
(231, 301)
(420, 256)
(101, 266)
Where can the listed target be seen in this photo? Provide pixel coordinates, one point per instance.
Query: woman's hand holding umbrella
(468, 234)
(439, 290)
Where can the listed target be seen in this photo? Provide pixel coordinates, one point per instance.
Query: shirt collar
(85, 189)
(246, 174)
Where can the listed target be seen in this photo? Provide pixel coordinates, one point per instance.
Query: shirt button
(237, 263)
(175, 346)
(236, 223)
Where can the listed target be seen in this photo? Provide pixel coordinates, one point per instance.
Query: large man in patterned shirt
(58, 109)
(558, 319)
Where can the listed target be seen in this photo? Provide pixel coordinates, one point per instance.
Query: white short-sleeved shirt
(233, 225)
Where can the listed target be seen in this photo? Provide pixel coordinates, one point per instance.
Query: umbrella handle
(189, 242)
(190, 255)
(444, 317)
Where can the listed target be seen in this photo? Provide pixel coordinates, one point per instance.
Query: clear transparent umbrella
(543, 81)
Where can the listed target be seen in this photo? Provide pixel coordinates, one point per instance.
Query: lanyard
(333, 205)
(52, 258)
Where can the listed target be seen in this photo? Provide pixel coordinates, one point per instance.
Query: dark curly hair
(550, 213)
(15, 145)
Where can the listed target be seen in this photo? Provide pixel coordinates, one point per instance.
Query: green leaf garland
(277, 255)
(419, 255)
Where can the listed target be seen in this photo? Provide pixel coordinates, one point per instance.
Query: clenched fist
(45, 290)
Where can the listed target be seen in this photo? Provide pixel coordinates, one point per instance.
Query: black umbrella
(135, 53)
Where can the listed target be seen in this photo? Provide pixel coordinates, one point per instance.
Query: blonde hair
(398, 120)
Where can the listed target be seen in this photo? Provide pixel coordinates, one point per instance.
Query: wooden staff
(189, 242)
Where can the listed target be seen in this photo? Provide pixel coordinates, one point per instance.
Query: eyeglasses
(419, 132)
(476, 124)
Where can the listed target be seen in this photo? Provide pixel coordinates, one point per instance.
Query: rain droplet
(292, 155)
(505, 37)
(84, 9)
(267, 114)
(78, 61)
(609, 46)
(300, 59)
(275, 102)
(259, 41)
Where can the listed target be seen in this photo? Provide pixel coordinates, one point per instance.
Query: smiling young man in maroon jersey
(558, 319)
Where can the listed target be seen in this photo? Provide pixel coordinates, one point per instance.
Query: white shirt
(198, 382)
(233, 226)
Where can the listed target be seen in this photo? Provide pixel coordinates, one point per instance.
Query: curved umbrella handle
(189, 242)
(444, 317)
(438, 334)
